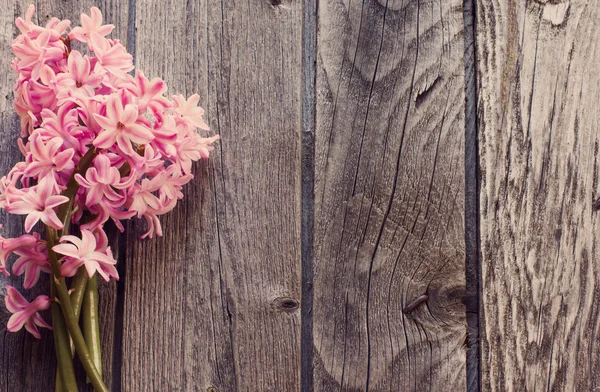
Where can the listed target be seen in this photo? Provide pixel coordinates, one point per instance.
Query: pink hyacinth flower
(38, 203)
(25, 313)
(89, 24)
(84, 251)
(148, 92)
(120, 126)
(103, 180)
(189, 110)
(78, 82)
(10, 245)
(141, 196)
(46, 160)
(112, 56)
(32, 261)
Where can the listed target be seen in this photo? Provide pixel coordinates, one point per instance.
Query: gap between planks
(472, 249)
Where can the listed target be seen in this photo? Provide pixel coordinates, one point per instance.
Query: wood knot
(275, 3)
(285, 304)
(212, 389)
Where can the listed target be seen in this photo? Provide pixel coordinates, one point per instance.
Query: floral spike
(99, 143)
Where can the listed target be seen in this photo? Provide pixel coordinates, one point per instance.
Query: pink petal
(139, 134)
(16, 321)
(66, 249)
(114, 108)
(130, 114)
(32, 329)
(32, 219)
(105, 139)
(39, 321)
(102, 164)
(49, 218)
(105, 122)
(32, 275)
(82, 181)
(91, 268)
(14, 300)
(62, 159)
(54, 201)
(70, 266)
(89, 242)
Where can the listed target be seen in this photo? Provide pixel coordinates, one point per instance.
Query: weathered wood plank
(29, 363)
(23, 357)
(538, 82)
(389, 197)
(214, 303)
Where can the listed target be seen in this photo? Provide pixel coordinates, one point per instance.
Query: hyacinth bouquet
(100, 144)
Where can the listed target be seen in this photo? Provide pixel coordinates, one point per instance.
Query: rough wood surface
(538, 82)
(214, 303)
(28, 363)
(389, 197)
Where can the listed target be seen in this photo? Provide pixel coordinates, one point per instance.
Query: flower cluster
(77, 100)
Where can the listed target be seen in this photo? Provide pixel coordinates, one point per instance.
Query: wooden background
(372, 153)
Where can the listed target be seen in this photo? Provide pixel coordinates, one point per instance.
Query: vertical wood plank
(538, 81)
(214, 303)
(30, 363)
(23, 357)
(389, 197)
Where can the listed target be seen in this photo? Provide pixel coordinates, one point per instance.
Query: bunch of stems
(69, 306)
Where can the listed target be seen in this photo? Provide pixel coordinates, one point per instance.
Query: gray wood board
(214, 303)
(538, 84)
(389, 197)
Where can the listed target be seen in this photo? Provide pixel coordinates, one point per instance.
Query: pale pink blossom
(103, 181)
(112, 56)
(141, 196)
(32, 54)
(25, 313)
(64, 124)
(10, 245)
(55, 27)
(192, 148)
(46, 160)
(84, 251)
(120, 126)
(149, 93)
(38, 203)
(80, 81)
(189, 110)
(173, 184)
(32, 261)
(89, 24)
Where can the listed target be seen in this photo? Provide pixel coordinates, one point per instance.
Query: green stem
(91, 325)
(66, 382)
(77, 293)
(70, 319)
(65, 213)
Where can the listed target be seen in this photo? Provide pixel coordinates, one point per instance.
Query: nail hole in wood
(285, 304)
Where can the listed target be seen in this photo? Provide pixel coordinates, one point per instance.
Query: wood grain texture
(538, 81)
(22, 357)
(389, 197)
(214, 303)
(28, 363)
